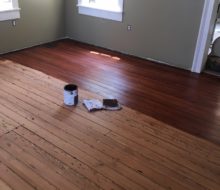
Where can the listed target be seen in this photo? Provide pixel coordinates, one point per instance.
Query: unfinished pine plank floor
(46, 145)
(184, 100)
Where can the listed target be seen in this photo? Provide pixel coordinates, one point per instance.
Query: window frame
(12, 13)
(91, 9)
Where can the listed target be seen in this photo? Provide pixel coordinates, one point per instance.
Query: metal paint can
(70, 94)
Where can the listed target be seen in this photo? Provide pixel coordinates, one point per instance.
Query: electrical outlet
(129, 27)
(13, 23)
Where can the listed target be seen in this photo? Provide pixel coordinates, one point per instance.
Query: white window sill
(10, 14)
(114, 13)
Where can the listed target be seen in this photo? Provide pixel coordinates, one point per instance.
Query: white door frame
(201, 51)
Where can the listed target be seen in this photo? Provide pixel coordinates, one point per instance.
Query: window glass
(108, 9)
(5, 4)
(9, 10)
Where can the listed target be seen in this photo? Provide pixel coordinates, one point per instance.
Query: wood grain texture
(4, 186)
(47, 145)
(184, 100)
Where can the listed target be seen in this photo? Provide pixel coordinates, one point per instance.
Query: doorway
(213, 63)
(205, 35)
(216, 32)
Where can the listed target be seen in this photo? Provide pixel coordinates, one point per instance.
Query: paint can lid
(70, 87)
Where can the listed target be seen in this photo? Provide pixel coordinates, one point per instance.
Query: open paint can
(70, 94)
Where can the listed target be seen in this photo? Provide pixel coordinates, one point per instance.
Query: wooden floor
(187, 101)
(45, 145)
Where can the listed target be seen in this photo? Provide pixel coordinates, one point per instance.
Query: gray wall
(41, 21)
(165, 30)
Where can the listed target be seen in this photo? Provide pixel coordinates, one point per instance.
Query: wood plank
(6, 125)
(102, 150)
(82, 156)
(38, 167)
(89, 155)
(23, 170)
(194, 110)
(128, 115)
(68, 159)
(13, 181)
(57, 165)
(110, 143)
(175, 141)
(4, 186)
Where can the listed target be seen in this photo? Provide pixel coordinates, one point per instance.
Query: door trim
(202, 40)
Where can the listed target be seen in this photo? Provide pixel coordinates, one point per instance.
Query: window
(108, 9)
(9, 10)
